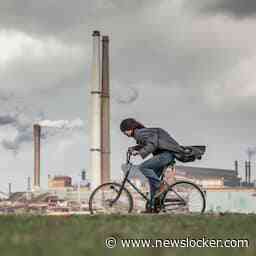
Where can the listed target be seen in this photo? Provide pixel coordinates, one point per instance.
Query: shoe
(148, 210)
(163, 187)
(158, 204)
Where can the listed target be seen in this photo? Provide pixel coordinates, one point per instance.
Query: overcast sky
(185, 66)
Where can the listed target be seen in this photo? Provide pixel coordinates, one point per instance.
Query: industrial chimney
(10, 189)
(246, 172)
(249, 172)
(37, 135)
(236, 168)
(95, 135)
(105, 113)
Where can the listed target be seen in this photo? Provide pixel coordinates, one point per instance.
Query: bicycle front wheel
(102, 199)
(184, 197)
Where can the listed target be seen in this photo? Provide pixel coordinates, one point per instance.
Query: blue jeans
(153, 168)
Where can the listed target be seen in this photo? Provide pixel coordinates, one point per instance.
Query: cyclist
(163, 148)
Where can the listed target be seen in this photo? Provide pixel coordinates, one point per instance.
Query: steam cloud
(251, 151)
(24, 130)
(62, 124)
(20, 123)
(22, 127)
(124, 95)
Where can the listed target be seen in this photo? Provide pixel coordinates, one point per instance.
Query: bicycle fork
(119, 192)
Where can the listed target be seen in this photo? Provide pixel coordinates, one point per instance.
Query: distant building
(60, 182)
(208, 177)
(3, 196)
(205, 177)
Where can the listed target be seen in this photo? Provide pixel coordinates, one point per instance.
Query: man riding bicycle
(164, 150)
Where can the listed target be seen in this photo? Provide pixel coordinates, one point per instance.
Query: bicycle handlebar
(128, 156)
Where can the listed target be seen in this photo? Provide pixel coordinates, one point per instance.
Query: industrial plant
(64, 197)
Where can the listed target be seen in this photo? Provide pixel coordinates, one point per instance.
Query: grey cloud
(24, 135)
(51, 17)
(10, 145)
(251, 151)
(63, 68)
(235, 8)
(164, 61)
(167, 53)
(7, 119)
(22, 121)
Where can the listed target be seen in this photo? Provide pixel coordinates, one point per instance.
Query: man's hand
(132, 151)
(135, 152)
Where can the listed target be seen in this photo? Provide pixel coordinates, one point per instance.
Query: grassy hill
(86, 235)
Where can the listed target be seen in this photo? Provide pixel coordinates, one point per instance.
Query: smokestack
(246, 172)
(37, 135)
(236, 168)
(28, 185)
(83, 175)
(249, 172)
(10, 189)
(95, 137)
(105, 113)
(28, 189)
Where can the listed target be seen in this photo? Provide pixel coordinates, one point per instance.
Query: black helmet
(130, 124)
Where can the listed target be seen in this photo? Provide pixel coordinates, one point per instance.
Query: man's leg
(152, 166)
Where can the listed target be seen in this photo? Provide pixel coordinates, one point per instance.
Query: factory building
(60, 182)
(208, 177)
(205, 177)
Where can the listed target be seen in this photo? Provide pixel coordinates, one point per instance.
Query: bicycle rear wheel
(183, 197)
(102, 199)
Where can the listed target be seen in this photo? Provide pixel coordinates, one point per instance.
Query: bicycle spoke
(104, 200)
(184, 197)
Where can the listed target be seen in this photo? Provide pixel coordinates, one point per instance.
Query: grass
(85, 235)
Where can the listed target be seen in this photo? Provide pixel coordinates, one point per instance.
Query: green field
(85, 235)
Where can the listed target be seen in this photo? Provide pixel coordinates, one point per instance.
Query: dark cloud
(7, 119)
(235, 8)
(22, 120)
(251, 151)
(14, 145)
(53, 17)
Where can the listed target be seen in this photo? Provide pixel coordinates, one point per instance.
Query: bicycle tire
(176, 197)
(93, 197)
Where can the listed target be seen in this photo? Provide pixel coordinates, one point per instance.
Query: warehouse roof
(206, 172)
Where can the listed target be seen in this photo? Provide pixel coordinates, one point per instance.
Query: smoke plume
(62, 124)
(251, 151)
(124, 94)
(24, 130)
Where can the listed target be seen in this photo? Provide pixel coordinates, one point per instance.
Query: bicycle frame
(178, 201)
(128, 157)
(145, 197)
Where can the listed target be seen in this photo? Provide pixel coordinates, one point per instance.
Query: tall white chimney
(37, 135)
(95, 124)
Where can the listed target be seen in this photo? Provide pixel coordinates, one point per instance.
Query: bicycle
(180, 197)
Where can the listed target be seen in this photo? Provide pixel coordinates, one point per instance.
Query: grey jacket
(151, 140)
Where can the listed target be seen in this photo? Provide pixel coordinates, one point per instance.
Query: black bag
(190, 154)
